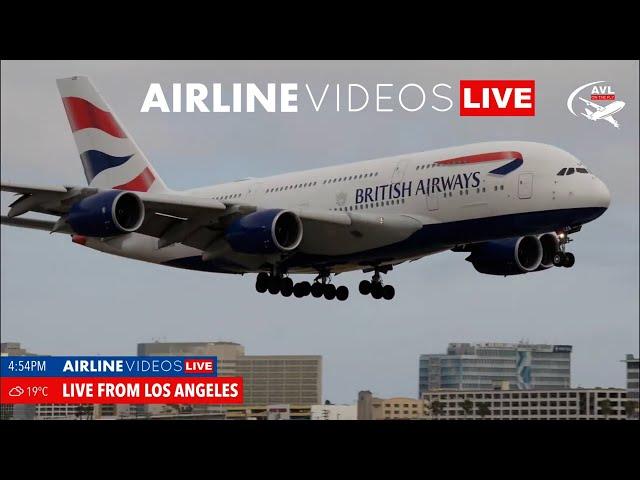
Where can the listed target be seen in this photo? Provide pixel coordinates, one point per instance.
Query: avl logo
(497, 98)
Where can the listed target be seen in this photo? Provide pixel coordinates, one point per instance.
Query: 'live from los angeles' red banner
(138, 390)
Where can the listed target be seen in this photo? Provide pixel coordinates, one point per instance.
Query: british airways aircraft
(509, 205)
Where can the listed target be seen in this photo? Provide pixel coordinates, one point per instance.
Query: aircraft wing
(611, 120)
(172, 216)
(200, 222)
(36, 224)
(591, 104)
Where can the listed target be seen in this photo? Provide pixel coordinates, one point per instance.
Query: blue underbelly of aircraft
(429, 238)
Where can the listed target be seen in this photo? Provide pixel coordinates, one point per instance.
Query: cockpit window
(561, 172)
(581, 170)
(570, 171)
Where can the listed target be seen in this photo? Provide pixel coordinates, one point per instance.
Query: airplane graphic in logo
(603, 113)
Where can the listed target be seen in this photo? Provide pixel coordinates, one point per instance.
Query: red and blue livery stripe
(83, 114)
(515, 157)
(141, 183)
(95, 161)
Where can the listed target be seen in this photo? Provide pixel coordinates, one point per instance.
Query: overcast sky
(60, 298)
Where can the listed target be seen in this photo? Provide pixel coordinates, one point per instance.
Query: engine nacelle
(105, 214)
(550, 245)
(265, 231)
(509, 256)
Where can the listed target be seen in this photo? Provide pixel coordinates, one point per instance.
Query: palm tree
(437, 408)
(483, 409)
(467, 407)
(605, 408)
(630, 408)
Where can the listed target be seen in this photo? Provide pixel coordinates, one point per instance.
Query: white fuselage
(456, 203)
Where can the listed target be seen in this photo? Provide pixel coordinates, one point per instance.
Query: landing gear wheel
(274, 285)
(376, 290)
(365, 287)
(388, 292)
(305, 288)
(317, 289)
(329, 292)
(342, 293)
(286, 287)
(559, 259)
(298, 291)
(569, 260)
(262, 282)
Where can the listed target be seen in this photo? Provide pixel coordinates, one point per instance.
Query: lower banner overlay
(147, 390)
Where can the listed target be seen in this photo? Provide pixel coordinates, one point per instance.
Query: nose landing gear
(563, 258)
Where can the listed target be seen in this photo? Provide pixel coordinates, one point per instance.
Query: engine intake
(265, 231)
(509, 256)
(550, 245)
(107, 213)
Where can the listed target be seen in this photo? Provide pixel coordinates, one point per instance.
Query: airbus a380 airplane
(510, 205)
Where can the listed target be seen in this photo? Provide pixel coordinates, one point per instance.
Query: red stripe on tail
(141, 183)
(83, 114)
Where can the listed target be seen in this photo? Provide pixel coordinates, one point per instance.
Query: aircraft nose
(601, 194)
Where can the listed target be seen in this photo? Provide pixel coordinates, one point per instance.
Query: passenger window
(570, 171)
(581, 170)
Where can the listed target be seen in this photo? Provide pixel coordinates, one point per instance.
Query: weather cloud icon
(16, 391)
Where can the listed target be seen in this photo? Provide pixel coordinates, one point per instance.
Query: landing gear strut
(322, 287)
(375, 288)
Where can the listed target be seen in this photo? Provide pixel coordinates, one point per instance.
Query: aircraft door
(525, 185)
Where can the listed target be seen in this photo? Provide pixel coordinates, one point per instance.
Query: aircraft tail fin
(110, 156)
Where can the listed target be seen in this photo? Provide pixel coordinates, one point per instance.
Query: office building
(13, 349)
(396, 408)
(267, 379)
(334, 412)
(269, 412)
(524, 366)
(632, 386)
(541, 404)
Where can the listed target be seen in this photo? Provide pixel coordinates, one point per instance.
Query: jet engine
(550, 246)
(265, 231)
(106, 213)
(509, 256)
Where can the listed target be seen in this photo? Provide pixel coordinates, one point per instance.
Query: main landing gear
(375, 287)
(275, 284)
(563, 258)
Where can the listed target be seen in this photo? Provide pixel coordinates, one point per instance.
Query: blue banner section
(99, 366)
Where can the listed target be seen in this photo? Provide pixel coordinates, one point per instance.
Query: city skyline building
(524, 366)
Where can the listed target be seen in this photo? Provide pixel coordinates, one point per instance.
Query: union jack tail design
(109, 155)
